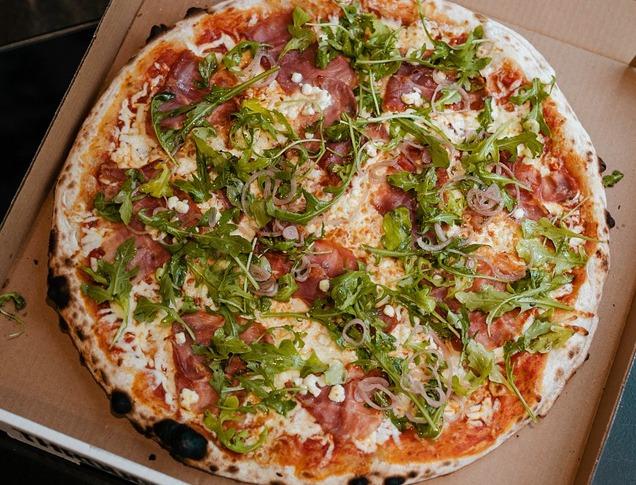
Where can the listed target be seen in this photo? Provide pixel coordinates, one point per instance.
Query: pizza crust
(561, 364)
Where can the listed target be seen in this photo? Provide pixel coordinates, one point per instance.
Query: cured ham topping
(327, 259)
(345, 421)
(408, 79)
(149, 254)
(338, 153)
(388, 198)
(304, 63)
(272, 31)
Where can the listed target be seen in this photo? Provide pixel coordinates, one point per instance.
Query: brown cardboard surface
(40, 378)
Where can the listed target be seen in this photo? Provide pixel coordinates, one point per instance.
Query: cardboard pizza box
(48, 399)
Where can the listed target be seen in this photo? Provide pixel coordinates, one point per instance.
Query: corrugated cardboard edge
(607, 406)
(65, 123)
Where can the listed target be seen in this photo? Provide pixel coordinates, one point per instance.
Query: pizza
(322, 242)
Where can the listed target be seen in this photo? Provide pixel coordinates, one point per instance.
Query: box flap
(75, 105)
(608, 29)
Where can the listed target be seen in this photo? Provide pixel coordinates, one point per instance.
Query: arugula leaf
(171, 139)
(481, 363)
(535, 94)
(199, 188)
(113, 282)
(542, 337)
(397, 229)
(612, 179)
(485, 116)
(232, 59)
(495, 302)
(462, 58)
(543, 227)
(287, 286)
(347, 289)
(206, 67)
(229, 436)
(301, 37)
(439, 155)
(369, 43)
(159, 186)
(119, 208)
(147, 310)
(19, 303)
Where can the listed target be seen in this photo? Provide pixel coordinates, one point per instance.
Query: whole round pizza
(320, 242)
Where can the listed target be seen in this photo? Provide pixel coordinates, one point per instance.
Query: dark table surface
(41, 44)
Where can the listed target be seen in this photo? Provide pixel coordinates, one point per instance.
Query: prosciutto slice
(327, 260)
(388, 198)
(346, 420)
(305, 64)
(406, 80)
(190, 369)
(150, 254)
(272, 31)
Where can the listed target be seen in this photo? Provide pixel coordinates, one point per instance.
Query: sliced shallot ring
(432, 247)
(246, 187)
(260, 274)
(290, 233)
(293, 185)
(368, 386)
(268, 288)
(351, 341)
(373, 170)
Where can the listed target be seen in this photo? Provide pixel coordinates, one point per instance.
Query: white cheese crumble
(324, 285)
(320, 98)
(189, 397)
(385, 431)
(180, 338)
(413, 98)
(312, 382)
(337, 393)
(176, 204)
(296, 77)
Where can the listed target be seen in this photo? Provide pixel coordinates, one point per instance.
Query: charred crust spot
(58, 290)
(80, 335)
(63, 325)
(610, 220)
(213, 468)
(156, 31)
(82, 360)
(559, 373)
(602, 166)
(120, 403)
(587, 357)
(276, 482)
(571, 354)
(397, 480)
(192, 11)
(447, 463)
(232, 469)
(412, 474)
(181, 440)
(152, 457)
(359, 481)
(428, 473)
(52, 241)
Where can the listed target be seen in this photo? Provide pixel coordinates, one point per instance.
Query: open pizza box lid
(45, 393)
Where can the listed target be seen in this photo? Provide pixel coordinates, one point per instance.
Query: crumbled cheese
(389, 311)
(321, 98)
(324, 285)
(413, 99)
(385, 431)
(296, 77)
(337, 393)
(371, 150)
(189, 397)
(181, 206)
(180, 338)
(312, 382)
(518, 213)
